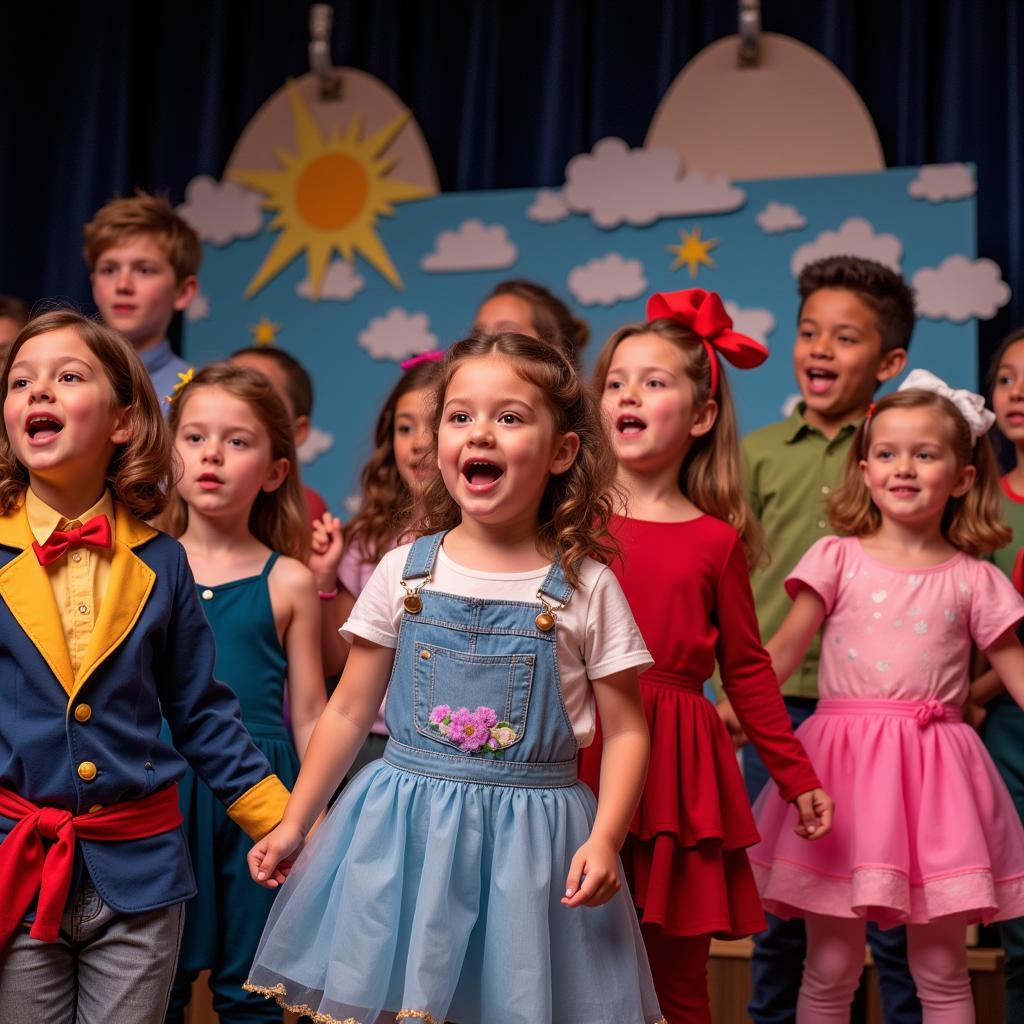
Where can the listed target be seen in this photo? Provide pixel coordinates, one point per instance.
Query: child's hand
(270, 860)
(731, 722)
(975, 714)
(815, 809)
(326, 550)
(593, 875)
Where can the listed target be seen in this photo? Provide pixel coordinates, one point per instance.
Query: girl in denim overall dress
(468, 875)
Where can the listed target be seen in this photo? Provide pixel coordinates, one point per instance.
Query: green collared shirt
(1013, 514)
(790, 468)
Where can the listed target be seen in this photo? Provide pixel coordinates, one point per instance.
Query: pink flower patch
(473, 731)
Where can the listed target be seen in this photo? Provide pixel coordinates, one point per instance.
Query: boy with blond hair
(143, 259)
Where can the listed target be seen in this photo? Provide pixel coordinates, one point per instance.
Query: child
(101, 633)
(448, 880)
(855, 322)
(239, 514)
(666, 403)
(392, 484)
(1003, 728)
(295, 388)
(928, 835)
(143, 260)
(529, 308)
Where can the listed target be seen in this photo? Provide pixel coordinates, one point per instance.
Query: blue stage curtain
(97, 98)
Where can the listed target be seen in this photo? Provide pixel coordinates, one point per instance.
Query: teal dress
(224, 922)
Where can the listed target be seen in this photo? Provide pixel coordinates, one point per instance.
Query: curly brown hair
(576, 505)
(386, 500)
(140, 471)
(882, 289)
(972, 522)
(277, 518)
(552, 319)
(710, 475)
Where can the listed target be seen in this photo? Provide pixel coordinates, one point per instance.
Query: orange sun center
(332, 191)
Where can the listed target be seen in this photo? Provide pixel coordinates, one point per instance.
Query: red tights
(679, 965)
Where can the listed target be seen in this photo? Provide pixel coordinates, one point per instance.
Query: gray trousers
(105, 967)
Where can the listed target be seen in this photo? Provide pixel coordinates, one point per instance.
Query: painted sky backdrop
(352, 338)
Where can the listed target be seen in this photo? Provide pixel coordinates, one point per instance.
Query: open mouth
(820, 381)
(43, 428)
(480, 473)
(630, 425)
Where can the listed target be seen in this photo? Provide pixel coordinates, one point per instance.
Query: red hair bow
(705, 315)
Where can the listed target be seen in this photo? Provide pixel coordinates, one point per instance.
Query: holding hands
(271, 859)
(815, 809)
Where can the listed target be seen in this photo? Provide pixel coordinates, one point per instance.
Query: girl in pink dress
(925, 832)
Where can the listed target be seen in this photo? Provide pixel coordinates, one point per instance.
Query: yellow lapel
(130, 584)
(25, 587)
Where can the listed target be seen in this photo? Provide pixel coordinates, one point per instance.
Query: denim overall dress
(432, 889)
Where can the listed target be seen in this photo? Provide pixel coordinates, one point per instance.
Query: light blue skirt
(439, 900)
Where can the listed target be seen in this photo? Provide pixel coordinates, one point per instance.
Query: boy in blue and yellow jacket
(101, 636)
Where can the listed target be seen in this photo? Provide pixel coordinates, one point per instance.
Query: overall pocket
(473, 703)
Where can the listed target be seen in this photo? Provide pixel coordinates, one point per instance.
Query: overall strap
(555, 584)
(274, 555)
(422, 555)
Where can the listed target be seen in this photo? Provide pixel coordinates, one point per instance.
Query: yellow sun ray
(328, 195)
(693, 251)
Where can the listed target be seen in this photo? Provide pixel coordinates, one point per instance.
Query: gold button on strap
(87, 771)
(412, 601)
(425, 655)
(83, 713)
(545, 620)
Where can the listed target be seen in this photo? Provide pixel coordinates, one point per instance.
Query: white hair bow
(970, 405)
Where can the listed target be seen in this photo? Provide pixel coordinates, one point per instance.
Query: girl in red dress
(687, 540)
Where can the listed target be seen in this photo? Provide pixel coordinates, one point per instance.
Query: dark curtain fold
(97, 98)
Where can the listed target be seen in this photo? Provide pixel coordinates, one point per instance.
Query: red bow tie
(95, 533)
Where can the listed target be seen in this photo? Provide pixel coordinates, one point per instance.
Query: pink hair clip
(435, 355)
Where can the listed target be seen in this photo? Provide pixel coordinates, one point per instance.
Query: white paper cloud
(789, 405)
(198, 309)
(940, 183)
(341, 282)
(317, 443)
(221, 211)
(397, 335)
(855, 237)
(616, 184)
(471, 246)
(755, 323)
(607, 280)
(776, 218)
(960, 288)
(548, 206)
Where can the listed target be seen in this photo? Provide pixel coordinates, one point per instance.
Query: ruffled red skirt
(685, 856)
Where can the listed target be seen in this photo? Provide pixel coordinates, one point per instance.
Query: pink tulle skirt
(924, 826)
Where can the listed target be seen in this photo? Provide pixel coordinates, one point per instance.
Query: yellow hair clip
(184, 379)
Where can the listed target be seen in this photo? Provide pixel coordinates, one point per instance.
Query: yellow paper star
(265, 332)
(693, 252)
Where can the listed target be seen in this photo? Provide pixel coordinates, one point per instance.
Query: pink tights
(835, 957)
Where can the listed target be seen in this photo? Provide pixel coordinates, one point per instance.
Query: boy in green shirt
(855, 322)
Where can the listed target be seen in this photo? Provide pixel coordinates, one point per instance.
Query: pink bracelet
(327, 595)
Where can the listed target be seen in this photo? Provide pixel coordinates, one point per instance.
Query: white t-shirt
(595, 636)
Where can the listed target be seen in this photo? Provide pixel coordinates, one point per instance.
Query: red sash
(26, 868)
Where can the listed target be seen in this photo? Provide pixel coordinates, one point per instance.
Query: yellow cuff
(259, 809)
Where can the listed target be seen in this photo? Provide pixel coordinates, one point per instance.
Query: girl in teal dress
(239, 514)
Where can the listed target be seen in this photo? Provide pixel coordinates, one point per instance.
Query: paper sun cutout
(328, 197)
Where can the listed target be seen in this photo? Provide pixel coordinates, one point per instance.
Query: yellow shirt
(80, 578)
